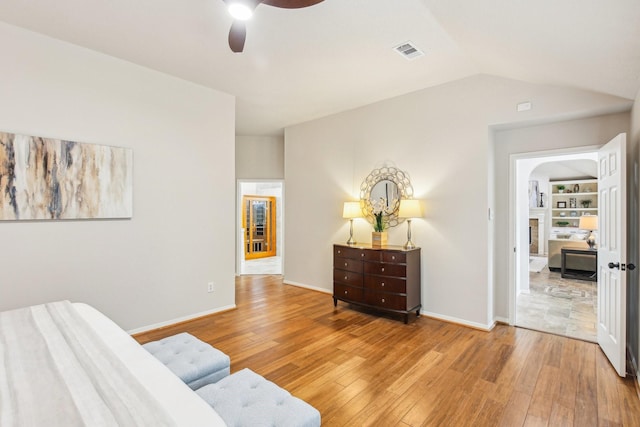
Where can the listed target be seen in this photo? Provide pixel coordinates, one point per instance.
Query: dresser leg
(335, 302)
(418, 312)
(406, 318)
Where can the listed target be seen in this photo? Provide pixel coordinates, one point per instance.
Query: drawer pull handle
(382, 299)
(339, 251)
(345, 264)
(362, 254)
(346, 292)
(382, 284)
(382, 269)
(346, 277)
(393, 257)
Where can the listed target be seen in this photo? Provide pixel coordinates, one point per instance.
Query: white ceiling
(568, 169)
(302, 64)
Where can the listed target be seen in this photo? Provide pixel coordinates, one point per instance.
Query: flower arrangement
(379, 209)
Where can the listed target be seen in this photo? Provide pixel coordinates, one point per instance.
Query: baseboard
(180, 320)
(313, 288)
(462, 322)
(502, 320)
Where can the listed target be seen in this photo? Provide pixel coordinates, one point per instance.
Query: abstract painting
(44, 178)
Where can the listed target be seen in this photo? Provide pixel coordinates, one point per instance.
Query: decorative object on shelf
(589, 222)
(390, 184)
(563, 214)
(351, 210)
(572, 202)
(541, 200)
(585, 203)
(560, 188)
(378, 239)
(576, 188)
(409, 209)
(573, 213)
(562, 223)
(562, 205)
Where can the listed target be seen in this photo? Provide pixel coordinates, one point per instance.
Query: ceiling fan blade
(291, 4)
(237, 36)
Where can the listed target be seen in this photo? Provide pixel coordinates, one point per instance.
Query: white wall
(441, 137)
(154, 267)
(259, 157)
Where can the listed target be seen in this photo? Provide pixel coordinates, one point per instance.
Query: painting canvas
(44, 178)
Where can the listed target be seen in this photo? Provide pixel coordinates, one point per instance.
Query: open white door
(612, 251)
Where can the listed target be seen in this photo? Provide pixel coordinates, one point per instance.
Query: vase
(378, 238)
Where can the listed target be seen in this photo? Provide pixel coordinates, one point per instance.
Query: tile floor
(271, 265)
(560, 306)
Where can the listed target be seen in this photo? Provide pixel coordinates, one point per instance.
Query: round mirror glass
(386, 194)
(382, 191)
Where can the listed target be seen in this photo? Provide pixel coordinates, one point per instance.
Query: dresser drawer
(383, 300)
(385, 284)
(345, 292)
(347, 277)
(352, 253)
(348, 264)
(394, 257)
(397, 270)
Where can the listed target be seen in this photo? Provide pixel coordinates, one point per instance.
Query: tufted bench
(245, 399)
(194, 361)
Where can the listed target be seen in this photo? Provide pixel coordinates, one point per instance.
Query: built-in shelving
(572, 199)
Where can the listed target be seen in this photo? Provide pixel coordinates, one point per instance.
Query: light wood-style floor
(357, 368)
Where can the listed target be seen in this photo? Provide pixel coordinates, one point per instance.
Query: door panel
(612, 252)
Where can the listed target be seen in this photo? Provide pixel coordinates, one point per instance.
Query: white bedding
(168, 401)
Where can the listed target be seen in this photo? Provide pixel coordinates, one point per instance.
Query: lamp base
(591, 241)
(409, 245)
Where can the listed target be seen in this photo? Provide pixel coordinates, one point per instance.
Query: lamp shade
(588, 222)
(410, 208)
(351, 210)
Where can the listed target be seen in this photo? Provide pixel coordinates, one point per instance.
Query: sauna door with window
(259, 223)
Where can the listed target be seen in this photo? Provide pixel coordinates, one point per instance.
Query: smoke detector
(408, 50)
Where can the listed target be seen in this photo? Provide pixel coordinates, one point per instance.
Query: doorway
(260, 222)
(546, 300)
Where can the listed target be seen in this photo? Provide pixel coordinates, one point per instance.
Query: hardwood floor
(362, 369)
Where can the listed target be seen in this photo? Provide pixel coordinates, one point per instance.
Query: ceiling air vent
(408, 50)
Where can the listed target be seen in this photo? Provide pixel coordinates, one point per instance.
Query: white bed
(33, 387)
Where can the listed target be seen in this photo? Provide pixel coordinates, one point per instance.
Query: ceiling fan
(242, 10)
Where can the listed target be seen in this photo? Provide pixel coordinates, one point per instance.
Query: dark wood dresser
(385, 278)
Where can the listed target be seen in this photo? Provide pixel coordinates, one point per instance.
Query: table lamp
(351, 210)
(589, 222)
(409, 208)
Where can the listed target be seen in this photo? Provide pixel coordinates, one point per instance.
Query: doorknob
(631, 266)
(616, 265)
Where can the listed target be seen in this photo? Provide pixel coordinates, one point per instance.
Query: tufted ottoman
(194, 361)
(245, 399)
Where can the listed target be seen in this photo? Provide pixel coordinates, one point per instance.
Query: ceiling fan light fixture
(240, 11)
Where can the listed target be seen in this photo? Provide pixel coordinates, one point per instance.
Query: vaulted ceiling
(302, 64)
